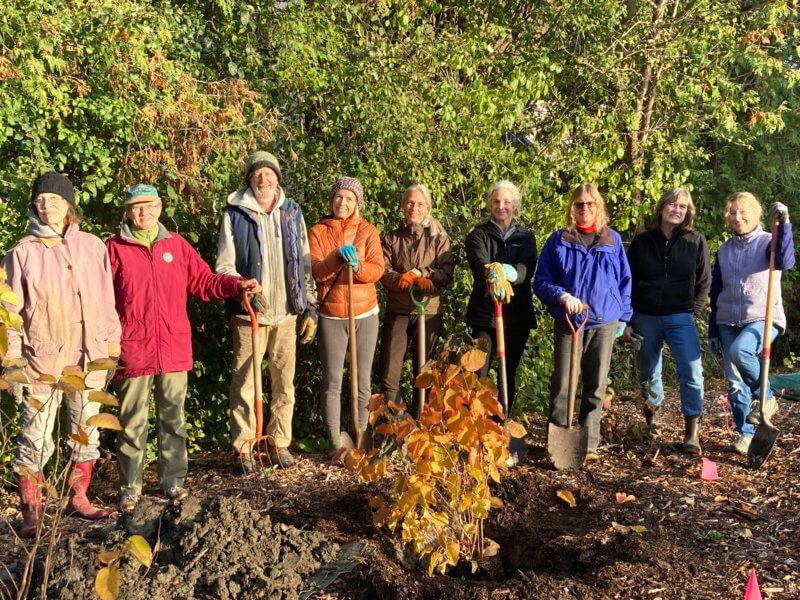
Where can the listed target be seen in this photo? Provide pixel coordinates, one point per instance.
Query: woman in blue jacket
(584, 263)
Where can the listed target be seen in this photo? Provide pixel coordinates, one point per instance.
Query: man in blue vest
(263, 236)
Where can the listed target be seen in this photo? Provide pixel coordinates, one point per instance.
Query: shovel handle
(258, 403)
(353, 344)
(500, 334)
(573, 360)
(766, 351)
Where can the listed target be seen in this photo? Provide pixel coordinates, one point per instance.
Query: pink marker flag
(752, 592)
(709, 470)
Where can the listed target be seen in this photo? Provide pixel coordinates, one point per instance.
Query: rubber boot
(651, 414)
(691, 442)
(30, 495)
(80, 479)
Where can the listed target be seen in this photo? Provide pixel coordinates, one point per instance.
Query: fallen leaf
(109, 556)
(622, 497)
(568, 497)
(140, 549)
(106, 583)
(720, 499)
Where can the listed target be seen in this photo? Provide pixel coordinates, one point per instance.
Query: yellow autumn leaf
(72, 384)
(103, 398)
(102, 364)
(4, 385)
(49, 379)
(496, 502)
(35, 403)
(16, 376)
(140, 549)
(109, 556)
(516, 430)
(622, 497)
(73, 370)
(104, 421)
(14, 321)
(81, 438)
(473, 360)
(638, 528)
(10, 297)
(568, 497)
(14, 363)
(106, 583)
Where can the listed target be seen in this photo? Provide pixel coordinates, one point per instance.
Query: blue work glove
(510, 273)
(349, 256)
(715, 345)
(779, 211)
(621, 325)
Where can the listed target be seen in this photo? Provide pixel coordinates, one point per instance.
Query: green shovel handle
(421, 305)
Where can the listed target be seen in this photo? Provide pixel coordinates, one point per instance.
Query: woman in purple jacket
(584, 263)
(739, 305)
(154, 271)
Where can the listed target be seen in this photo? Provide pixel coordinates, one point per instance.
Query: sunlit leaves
(139, 549)
(104, 421)
(106, 583)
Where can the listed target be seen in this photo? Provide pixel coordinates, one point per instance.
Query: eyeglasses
(580, 205)
(145, 207)
(54, 201)
(680, 207)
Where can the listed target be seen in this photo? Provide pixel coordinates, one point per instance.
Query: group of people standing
(81, 300)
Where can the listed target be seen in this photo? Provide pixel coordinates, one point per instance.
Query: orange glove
(408, 279)
(425, 285)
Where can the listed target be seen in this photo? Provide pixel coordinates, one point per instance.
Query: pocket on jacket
(133, 331)
(42, 348)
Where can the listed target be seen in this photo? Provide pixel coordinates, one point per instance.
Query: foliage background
(634, 96)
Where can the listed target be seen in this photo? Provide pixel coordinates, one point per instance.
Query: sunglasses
(580, 205)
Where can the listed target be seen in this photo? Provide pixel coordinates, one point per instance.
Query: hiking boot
(771, 408)
(691, 441)
(651, 413)
(243, 464)
(176, 493)
(81, 505)
(128, 501)
(741, 444)
(281, 457)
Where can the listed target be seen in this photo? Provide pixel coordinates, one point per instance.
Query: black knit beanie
(53, 183)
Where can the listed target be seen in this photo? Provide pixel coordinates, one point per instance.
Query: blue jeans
(680, 333)
(741, 346)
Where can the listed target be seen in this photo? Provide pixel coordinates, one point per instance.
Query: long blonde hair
(601, 217)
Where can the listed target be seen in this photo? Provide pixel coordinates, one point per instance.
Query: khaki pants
(134, 398)
(279, 343)
(35, 441)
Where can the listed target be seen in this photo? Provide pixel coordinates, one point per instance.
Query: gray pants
(333, 346)
(594, 356)
(134, 404)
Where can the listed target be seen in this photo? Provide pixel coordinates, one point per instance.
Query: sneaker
(741, 444)
(177, 493)
(281, 457)
(756, 414)
(128, 501)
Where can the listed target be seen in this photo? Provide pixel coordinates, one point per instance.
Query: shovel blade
(567, 446)
(762, 445)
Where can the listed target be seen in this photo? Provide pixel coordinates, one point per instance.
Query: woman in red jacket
(154, 270)
(339, 240)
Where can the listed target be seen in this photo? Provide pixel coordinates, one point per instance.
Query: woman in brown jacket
(416, 254)
(340, 240)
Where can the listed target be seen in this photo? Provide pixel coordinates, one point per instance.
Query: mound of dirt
(212, 548)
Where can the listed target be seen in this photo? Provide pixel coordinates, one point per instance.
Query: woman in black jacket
(502, 258)
(671, 270)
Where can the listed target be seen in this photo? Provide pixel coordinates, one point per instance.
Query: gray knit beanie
(348, 183)
(260, 159)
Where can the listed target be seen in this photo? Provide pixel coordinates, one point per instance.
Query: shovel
(766, 433)
(420, 305)
(567, 445)
(516, 446)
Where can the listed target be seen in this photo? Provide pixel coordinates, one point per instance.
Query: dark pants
(594, 359)
(516, 339)
(398, 332)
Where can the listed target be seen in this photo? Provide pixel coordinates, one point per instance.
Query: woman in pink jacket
(154, 271)
(62, 276)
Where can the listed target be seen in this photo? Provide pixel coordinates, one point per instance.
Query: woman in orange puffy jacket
(340, 240)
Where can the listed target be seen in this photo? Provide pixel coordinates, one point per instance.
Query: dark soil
(263, 536)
